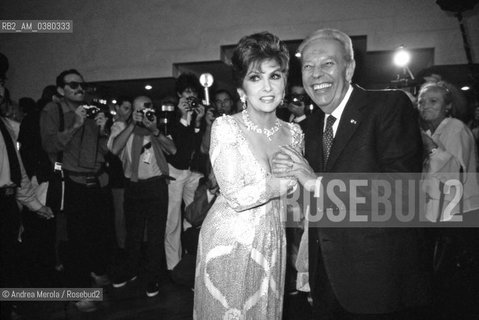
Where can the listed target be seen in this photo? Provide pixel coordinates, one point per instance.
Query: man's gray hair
(334, 34)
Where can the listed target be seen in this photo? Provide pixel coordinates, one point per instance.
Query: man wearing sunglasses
(76, 144)
(296, 104)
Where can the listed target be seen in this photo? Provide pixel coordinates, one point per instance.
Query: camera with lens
(148, 113)
(193, 102)
(91, 111)
(295, 99)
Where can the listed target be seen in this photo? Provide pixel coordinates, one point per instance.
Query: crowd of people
(107, 197)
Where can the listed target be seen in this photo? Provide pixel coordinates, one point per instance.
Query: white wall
(127, 39)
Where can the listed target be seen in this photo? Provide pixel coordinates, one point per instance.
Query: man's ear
(61, 91)
(350, 70)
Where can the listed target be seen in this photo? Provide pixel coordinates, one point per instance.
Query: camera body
(193, 102)
(148, 113)
(91, 111)
(296, 99)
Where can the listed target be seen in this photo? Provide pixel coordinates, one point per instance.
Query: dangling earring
(243, 101)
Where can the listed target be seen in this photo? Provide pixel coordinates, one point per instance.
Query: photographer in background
(187, 136)
(195, 213)
(14, 186)
(73, 136)
(123, 111)
(141, 147)
(167, 114)
(223, 104)
(296, 103)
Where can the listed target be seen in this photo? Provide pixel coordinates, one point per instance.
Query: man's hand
(100, 121)
(296, 110)
(137, 116)
(184, 107)
(151, 125)
(289, 162)
(80, 116)
(200, 111)
(209, 117)
(45, 212)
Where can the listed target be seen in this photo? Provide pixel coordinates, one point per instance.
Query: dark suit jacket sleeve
(398, 138)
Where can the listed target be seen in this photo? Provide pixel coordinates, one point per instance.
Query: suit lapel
(350, 121)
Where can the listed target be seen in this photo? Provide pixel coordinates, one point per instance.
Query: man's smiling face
(326, 73)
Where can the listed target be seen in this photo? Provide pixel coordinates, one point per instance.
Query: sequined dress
(240, 266)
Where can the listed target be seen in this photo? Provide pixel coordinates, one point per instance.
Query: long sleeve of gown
(230, 163)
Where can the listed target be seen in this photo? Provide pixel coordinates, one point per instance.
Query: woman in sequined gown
(241, 252)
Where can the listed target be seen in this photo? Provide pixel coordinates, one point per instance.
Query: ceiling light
(113, 101)
(465, 88)
(148, 87)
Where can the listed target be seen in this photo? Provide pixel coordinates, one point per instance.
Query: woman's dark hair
(188, 80)
(254, 49)
(122, 99)
(27, 105)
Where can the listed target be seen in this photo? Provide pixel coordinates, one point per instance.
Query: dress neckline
(265, 171)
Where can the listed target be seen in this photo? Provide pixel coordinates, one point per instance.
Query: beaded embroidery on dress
(240, 266)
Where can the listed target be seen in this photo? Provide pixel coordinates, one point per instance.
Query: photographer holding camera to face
(297, 102)
(73, 136)
(141, 147)
(185, 164)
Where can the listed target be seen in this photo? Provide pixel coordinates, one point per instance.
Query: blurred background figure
(459, 109)
(450, 155)
(450, 150)
(296, 105)
(224, 102)
(123, 110)
(474, 124)
(184, 165)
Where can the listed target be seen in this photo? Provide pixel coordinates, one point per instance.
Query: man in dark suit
(357, 273)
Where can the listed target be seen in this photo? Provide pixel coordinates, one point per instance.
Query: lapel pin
(353, 121)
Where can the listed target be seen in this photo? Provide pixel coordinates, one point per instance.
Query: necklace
(253, 127)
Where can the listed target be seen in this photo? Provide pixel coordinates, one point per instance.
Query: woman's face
(263, 86)
(431, 104)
